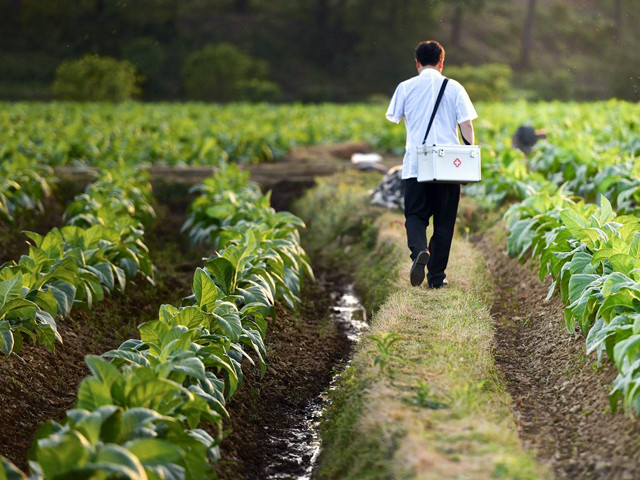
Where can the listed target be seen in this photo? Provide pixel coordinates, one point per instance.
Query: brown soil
(559, 397)
(303, 351)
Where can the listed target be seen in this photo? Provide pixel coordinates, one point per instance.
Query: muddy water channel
(300, 443)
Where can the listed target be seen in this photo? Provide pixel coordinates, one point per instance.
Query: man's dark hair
(429, 53)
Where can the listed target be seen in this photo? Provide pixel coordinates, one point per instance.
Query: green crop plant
(114, 442)
(190, 134)
(23, 187)
(187, 364)
(122, 194)
(138, 414)
(590, 252)
(25, 312)
(101, 250)
(593, 256)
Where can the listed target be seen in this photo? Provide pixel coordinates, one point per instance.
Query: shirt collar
(430, 71)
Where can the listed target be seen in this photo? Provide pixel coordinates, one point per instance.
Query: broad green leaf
(93, 394)
(151, 332)
(46, 330)
(624, 263)
(592, 237)
(253, 339)
(628, 348)
(130, 267)
(624, 300)
(605, 213)
(121, 460)
(90, 424)
(224, 272)
(6, 338)
(190, 317)
(64, 294)
(105, 273)
(579, 282)
(9, 289)
(134, 421)
(574, 222)
(519, 238)
(192, 367)
(59, 453)
(8, 471)
(205, 290)
(220, 212)
(602, 254)
(167, 312)
(629, 229)
(170, 471)
(46, 300)
(179, 332)
(197, 446)
(634, 248)
(153, 451)
(614, 282)
(120, 276)
(19, 307)
(128, 356)
(228, 321)
(103, 370)
(152, 394)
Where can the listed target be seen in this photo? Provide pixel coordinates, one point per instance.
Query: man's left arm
(465, 114)
(466, 130)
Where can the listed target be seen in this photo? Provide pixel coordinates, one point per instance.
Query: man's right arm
(395, 112)
(466, 129)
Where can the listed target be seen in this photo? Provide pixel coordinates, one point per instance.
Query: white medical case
(449, 163)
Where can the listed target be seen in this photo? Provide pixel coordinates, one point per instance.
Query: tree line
(324, 50)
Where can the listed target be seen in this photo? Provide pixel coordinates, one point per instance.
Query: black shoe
(417, 269)
(438, 285)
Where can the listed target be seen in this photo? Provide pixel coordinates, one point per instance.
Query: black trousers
(422, 201)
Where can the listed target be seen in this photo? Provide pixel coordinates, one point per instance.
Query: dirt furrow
(559, 394)
(303, 350)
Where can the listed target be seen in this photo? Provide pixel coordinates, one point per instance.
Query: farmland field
(201, 310)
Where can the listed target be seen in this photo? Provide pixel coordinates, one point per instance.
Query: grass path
(422, 398)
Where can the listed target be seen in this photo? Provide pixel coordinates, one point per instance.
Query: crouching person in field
(414, 100)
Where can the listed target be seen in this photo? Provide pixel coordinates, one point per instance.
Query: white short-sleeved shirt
(414, 100)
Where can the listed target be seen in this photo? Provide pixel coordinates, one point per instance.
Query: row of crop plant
(138, 416)
(171, 134)
(23, 188)
(81, 134)
(99, 249)
(590, 150)
(593, 256)
(591, 253)
(197, 134)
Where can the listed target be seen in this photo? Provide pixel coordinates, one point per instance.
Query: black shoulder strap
(435, 109)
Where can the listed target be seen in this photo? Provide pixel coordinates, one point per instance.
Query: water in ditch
(302, 441)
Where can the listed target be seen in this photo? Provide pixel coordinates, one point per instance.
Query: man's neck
(421, 68)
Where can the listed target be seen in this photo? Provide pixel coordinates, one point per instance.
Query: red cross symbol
(457, 162)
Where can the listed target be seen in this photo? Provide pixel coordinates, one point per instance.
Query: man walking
(414, 100)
